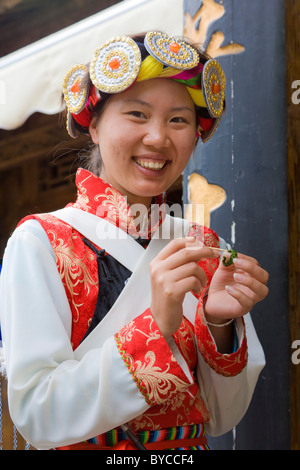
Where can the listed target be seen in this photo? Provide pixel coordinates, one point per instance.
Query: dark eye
(138, 114)
(179, 119)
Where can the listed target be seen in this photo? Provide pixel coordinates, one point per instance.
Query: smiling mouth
(151, 164)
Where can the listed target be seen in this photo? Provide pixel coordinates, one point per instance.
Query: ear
(94, 131)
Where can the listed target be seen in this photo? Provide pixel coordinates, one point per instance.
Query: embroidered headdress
(121, 61)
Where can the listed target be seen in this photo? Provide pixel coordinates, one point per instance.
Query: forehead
(158, 92)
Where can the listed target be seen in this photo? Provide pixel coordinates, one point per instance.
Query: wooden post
(293, 184)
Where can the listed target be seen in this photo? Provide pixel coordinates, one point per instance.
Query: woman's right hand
(173, 273)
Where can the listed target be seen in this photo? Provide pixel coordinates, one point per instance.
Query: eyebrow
(144, 103)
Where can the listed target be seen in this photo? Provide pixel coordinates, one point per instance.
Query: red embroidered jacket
(172, 398)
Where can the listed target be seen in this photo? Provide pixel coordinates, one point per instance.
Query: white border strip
(68, 32)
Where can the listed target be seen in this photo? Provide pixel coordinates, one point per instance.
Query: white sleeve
(55, 400)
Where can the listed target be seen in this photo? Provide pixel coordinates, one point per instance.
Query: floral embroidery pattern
(127, 333)
(129, 363)
(78, 271)
(159, 383)
(115, 209)
(180, 409)
(184, 338)
(83, 199)
(227, 365)
(156, 375)
(100, 198)
(211, 239)
(73, 270)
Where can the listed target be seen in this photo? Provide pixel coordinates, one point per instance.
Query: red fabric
(224, 364)
(148, 356)
(122, 445)
(206, 124)
(174, 400)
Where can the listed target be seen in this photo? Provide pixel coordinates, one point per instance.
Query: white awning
(31, 78)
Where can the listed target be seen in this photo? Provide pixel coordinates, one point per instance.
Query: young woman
(121, 323)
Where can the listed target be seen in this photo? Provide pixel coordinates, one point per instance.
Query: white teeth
(151, 164)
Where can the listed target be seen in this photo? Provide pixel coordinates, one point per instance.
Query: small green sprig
(229, 261)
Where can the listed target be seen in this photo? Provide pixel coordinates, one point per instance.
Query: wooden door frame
(293, 187)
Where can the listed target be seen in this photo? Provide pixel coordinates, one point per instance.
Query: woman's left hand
(235, 289)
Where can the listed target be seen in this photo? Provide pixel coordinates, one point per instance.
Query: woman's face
(146, 135)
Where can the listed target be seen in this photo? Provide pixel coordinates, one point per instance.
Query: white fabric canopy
(31, 78)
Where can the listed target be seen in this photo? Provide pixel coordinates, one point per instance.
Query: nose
(156, 135)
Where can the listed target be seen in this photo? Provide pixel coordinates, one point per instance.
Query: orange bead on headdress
(120, 62)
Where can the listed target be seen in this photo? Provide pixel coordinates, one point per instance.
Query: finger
(188, 284)
(176, 290)
(245, 302)
(251, 267)
(190, 244)
(174, 246)
(186, 256)
(258, 289)
(188, 270)
(248, 258)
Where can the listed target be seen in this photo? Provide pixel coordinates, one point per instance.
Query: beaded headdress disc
(116, 65)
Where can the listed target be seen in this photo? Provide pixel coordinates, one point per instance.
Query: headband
(121, 61)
